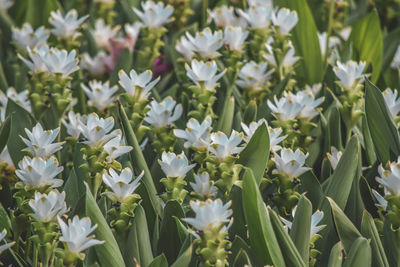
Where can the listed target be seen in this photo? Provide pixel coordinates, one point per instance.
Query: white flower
(349, 73)
(222, 146)
(96, 130)
(345, 33)
(132, 30)
(103, 32)
(175, 165)
(257, 16)
(76, 234)
(210, 214)
(382, 202)
(206, 43)
(392, 102)
(334, 157)
(290, 163)
(286, 108)
(390, 179)
(234, 37)
(36, 65)
(47, 207)
(27, 37)
(275, 138)
(73, 126)
(4, 232)
(315, 220)
(163, 113)
(40, 142)
(252, 128)
(66, 27)
(95, 65)
(5, 157)
(315, 88)
(203, 186)
(395, 64)
(333, 41)
(288, 60)
(100, 95)
(259, 2)
(20, 98)
(254, 76)
(116, 148)
(39, 172)
(185, 47)
(60, 61)
(122, 185)
(4, 5)
(224, 16)
(285, 20)
(196, 135)
(136, 85)
(204, 73)
(309, 104)
(154, 15)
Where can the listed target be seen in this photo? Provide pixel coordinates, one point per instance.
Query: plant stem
(329, 30)
(204, 14)
(35, 255)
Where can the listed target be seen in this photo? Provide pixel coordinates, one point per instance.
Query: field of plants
(199, 133)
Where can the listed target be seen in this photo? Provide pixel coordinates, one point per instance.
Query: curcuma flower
(315, 220)
(72, 125)
(135, 85)
(4, 5)
(96, 130)
(395, 64)
(101, 95)
(286, 108)
(382, 202)
(27, 37)
(334, 157)
(288, 60)
(285, 20)
(7, 245)
(185, 47)
(349, 73)
(206, 43)
(224, 16)
(289, 163)
(274, 134)
(102, 33)
(154, 15)
(76, 234)
(202, 186)
(254, 76)
(203, 74)
(257, 16)
(47, 207)
(122, 185)
(390, 179)
(222, 146)
(175, 165)
(66, 27)
(60, 61)
(234, 37)
(211, 214)
(116, 148)
(39, 172)
(94, 65)
(196, 135)
(20, 98)
(163, 113)
(40, 142)
(309, 104)
(392, 102)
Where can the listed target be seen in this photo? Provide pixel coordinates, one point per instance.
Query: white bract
(234, 37)
(333, 41)
(103, 32)
(275, 138)
(47, 207)
(257, 16)
(154, 15)
(39, 172)
(175, 165)
(2, 235)
(349, 73)
(203, 186)
(206, 43)
(222, 146)
(94, 65)
(260, 2)
(309, 104)
(315, 220)
(185, 47)
(395, 64)
(66, 26)
(101, 95)
(382, 202)
(40, 142)
(163, 113)
(286, 108)
(116, 148)
(122, 185)
(288, 60)
(204, 74)
(224, 16)
(390, 179)
(36, 63)
(27, 37)
(132, 30)
(252, 128)
(392, 102)
(4, 5)
(289, 163)
(196, 135)
(76, 234)
(334, 157)
(285, 20)
(211, 214)
(138, 86)
(60, 61)
(254, 76)
(20, 98)
(72, 125)
(96, 130)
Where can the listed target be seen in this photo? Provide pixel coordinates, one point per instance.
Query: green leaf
(367, 41)
(342, 178)
(305, 41)
(238, 245)
(290, 253)
(5, 130)
(368, 143)
(226, 118)
(107, 253)
(368, 229)
(185, 259)
(256, 154)
(301, 227)
(359, 254)
(345, 229)
(336, 256)
(124, 63)
(239, 222)
(5, 222)
(242, 259)
(38, 12)
(74, 191)
(380, 123)
(390, 43)
(261, 234)
(159, 261)
(311, 186)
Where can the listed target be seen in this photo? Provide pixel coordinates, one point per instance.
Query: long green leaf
(185, 259)
(160, 261)
(359, 254)
(226, 118)
(336, 256)
(5, 129)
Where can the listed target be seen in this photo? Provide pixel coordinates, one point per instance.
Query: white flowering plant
(199, 133)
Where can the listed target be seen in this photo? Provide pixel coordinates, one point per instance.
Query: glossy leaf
(359, 254)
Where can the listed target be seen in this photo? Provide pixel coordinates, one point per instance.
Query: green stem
(329, 31)
(35, 255)
(204, 14)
